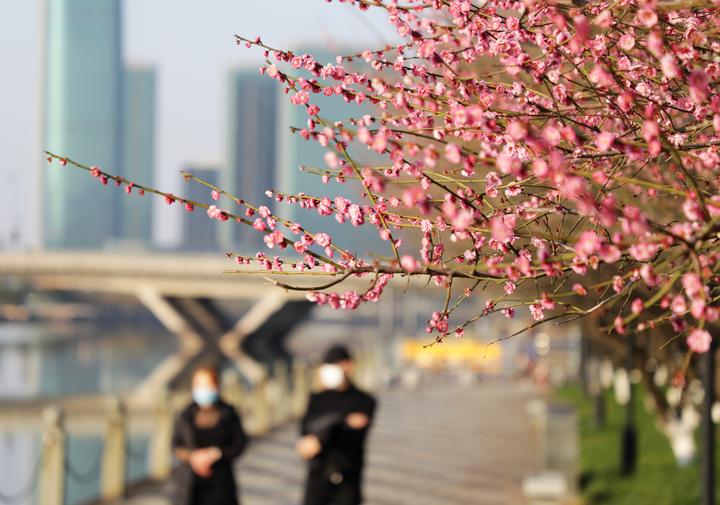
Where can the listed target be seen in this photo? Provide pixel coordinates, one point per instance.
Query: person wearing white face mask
(208, 437)
(334, 431)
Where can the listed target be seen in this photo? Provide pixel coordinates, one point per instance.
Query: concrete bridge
(182, 292)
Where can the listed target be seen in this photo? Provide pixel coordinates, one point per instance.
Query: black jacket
(343, 448)
(231, 441)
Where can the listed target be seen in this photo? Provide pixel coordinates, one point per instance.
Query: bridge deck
(450, 446)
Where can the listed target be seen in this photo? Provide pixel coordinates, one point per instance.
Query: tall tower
(251, 147)
(138, 153)
(82, 120)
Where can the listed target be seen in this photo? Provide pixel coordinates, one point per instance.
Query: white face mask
(331, 376)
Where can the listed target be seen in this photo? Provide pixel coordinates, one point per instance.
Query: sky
(191, 44)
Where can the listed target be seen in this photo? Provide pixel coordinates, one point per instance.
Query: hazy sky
(191, 44)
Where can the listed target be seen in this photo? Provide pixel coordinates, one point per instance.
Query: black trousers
(320, 491)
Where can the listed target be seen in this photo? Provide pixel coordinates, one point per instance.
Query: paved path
(436, 446)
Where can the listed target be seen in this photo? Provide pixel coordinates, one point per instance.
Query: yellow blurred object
(477, 355)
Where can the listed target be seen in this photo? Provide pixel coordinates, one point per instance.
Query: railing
(271, 403)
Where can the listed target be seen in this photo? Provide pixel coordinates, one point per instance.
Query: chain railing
(86, 476)
(268, 404)
(136, 454)
(264, 406)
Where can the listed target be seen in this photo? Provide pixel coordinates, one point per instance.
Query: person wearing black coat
(208, 437)
(334, 430)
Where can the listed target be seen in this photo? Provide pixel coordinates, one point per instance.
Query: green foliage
(657, 480)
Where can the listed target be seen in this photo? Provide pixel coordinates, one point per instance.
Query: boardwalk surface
(434, 446)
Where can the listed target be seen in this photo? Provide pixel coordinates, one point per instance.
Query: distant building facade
(200, 232)
(251, 150)
(82, 120)
(294, 151)
(138, 153)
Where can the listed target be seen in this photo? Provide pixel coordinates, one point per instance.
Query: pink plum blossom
(699, 341)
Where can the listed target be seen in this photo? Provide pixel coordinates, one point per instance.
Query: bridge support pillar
(191, 345)
(230, 343)
(52, 470)
(204, 335)
(114, 459)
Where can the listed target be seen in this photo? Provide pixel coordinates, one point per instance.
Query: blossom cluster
(533, 143)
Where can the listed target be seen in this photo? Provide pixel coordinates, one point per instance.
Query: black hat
(337, 354)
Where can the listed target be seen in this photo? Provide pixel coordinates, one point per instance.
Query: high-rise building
(82, 120)
(251, 147)
(294, 152)
(138, 153)
(200, 232)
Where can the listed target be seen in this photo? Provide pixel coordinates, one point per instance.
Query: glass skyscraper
(251, 147)
(138, 153)
(82, 120)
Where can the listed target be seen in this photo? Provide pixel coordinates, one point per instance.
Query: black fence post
(707, 468)
(629, 434)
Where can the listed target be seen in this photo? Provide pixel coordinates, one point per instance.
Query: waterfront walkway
(437, 445)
